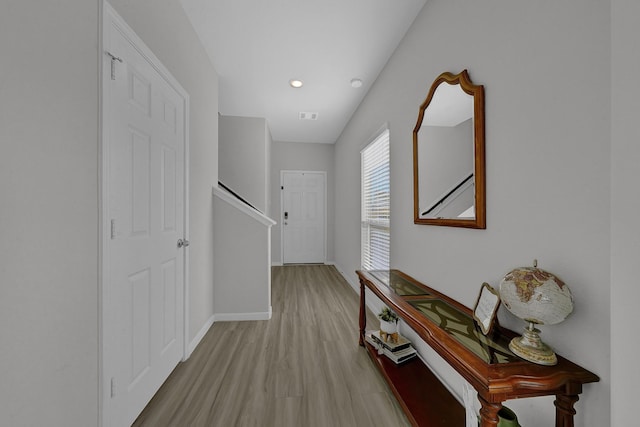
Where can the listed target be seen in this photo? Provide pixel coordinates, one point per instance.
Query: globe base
(530, 347)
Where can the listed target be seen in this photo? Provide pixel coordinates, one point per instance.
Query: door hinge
(113, 64)
(113, 229)
(113, 387)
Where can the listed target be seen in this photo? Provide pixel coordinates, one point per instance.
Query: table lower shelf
(424, 399)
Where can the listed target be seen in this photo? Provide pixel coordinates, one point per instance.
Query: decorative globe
(538, 297)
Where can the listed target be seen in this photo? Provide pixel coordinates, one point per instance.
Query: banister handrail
(243, 206)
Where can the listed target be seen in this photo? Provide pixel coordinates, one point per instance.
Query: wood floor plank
(301, 368)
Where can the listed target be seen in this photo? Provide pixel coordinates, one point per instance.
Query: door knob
(182, 243)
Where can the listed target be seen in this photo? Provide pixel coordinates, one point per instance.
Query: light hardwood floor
(302, 368)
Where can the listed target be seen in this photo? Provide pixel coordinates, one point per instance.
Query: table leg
(564, 409)
(363, 315)
(489, 413)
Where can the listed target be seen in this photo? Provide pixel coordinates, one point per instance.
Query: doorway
(144, 219)
(303, 216)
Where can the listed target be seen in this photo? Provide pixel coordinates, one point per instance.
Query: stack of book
(398, 351)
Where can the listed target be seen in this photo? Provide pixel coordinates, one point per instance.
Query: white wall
(244, 158)
(49, 188)
(625, 205)
(242, 261)
(546, 71)
(300, 156)
(48, 213)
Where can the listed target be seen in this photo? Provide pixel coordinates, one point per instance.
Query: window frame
(375, 209)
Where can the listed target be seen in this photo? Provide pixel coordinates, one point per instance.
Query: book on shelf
(401, 343)
(402, 355)
(398, 356)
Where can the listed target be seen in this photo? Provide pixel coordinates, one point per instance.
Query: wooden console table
(484, 361)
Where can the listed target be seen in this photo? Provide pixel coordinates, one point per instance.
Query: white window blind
(376, 204)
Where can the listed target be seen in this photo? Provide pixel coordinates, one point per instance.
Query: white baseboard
(341, 270)
(373, 302)
(279, 264)
(222, 317)
(200, 335)
(234, 317)
(454, 393)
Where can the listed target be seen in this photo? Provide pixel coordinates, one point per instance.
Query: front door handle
(183, 243)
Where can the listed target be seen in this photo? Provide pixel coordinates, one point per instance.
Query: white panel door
(143, 331)
(303, 216)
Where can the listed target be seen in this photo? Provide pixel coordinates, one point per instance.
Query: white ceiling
(257, 46)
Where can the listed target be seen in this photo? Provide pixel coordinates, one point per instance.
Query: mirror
(448, 154)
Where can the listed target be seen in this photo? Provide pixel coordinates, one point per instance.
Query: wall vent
(308, 116)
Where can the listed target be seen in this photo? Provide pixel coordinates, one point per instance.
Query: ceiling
(258, 46)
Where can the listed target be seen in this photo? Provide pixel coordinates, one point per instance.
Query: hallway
(302, 368)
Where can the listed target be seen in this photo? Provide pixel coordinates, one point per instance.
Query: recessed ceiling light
(295, 83)
(356, 83)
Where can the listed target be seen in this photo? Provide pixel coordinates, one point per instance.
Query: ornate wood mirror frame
(448, 154)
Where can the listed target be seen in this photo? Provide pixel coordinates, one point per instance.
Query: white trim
(258, 216)
(282, 172)
(372, 301)
(200, 335)
(107, 17)
(186, 229)
(341, 270)
(421, 346)
(235, 317)
(276, 264)
(374, 135)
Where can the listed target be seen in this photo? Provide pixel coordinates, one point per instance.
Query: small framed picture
(484, 313)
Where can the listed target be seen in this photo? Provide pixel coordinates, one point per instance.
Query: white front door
(303, 216)
(144, 214)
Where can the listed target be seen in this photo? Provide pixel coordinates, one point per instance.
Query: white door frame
(107, 13)
(281, 222)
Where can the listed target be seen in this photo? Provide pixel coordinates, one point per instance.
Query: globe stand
(530, 347)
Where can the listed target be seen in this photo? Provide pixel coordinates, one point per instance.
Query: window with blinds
(376, 204)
